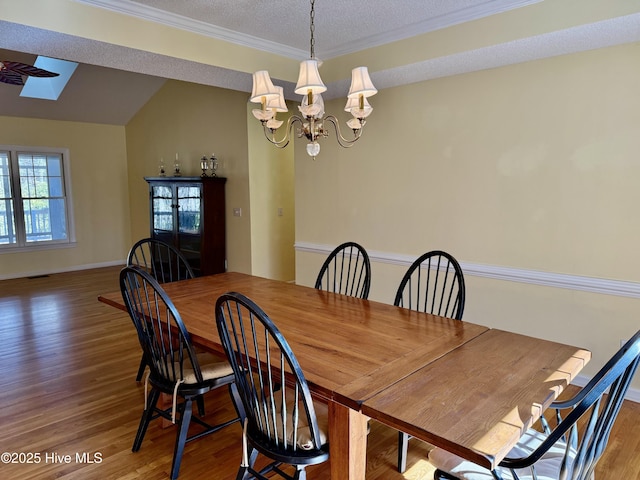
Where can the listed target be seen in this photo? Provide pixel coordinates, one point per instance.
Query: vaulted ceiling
(220, 42)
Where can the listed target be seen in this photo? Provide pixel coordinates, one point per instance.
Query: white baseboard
(633, 394)
(74, 268)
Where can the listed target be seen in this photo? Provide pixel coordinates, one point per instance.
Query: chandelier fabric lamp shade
(313, 124)
(263, 91)
(263, 87)
(275, 105)
(361, 83)
(309, 80)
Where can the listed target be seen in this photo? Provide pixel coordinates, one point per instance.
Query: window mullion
(18, 210)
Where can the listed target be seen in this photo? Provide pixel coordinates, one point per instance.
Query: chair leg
(181, 439)
(143, 365)
(244, 472)
(145, 419)
(403, 447)
(200, 403)
(301, 473)
(442, 475)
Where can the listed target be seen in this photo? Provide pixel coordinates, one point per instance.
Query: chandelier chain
(312, 28)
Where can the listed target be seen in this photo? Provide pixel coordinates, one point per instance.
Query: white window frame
(22, 245)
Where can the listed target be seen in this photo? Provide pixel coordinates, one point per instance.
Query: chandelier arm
(270, 134)
(346, 143)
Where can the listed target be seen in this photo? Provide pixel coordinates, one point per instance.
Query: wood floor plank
(68, 387)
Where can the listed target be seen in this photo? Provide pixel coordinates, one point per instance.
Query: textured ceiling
(113, 80)
(341, 26)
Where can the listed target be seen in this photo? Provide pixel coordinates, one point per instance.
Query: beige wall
(108, 166)
(532, 166)
(193, 120)
(271, 178)
(99, 191)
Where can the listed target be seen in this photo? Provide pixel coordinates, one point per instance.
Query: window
(34, 198)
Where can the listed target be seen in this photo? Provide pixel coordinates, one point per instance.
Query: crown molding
(163, 17)
(491, 7)
(127, 7)
(603, 286)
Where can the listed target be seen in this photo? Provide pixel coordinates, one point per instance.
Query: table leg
(347, 442)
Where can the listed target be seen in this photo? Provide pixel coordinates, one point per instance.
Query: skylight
(48, 88)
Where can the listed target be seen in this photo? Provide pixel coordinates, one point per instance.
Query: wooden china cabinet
(189, 213)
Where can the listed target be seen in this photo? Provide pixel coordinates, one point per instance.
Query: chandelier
(312, 123)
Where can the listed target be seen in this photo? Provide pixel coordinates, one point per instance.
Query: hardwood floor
(70, 406)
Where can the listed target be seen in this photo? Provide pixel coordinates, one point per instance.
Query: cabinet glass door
(188, 210)
(162, 199)
(190, 222)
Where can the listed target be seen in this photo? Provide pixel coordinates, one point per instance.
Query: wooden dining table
(413, 371)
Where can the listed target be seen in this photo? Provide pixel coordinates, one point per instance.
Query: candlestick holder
(204, 165)
(213, 165)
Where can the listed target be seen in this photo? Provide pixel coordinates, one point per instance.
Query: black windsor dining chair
(174, 367)
(281, 421)
(164, 262)
(347, 270)
(433, 283)
(571, 449)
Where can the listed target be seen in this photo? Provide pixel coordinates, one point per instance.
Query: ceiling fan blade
(11, 78)
(28, 70)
